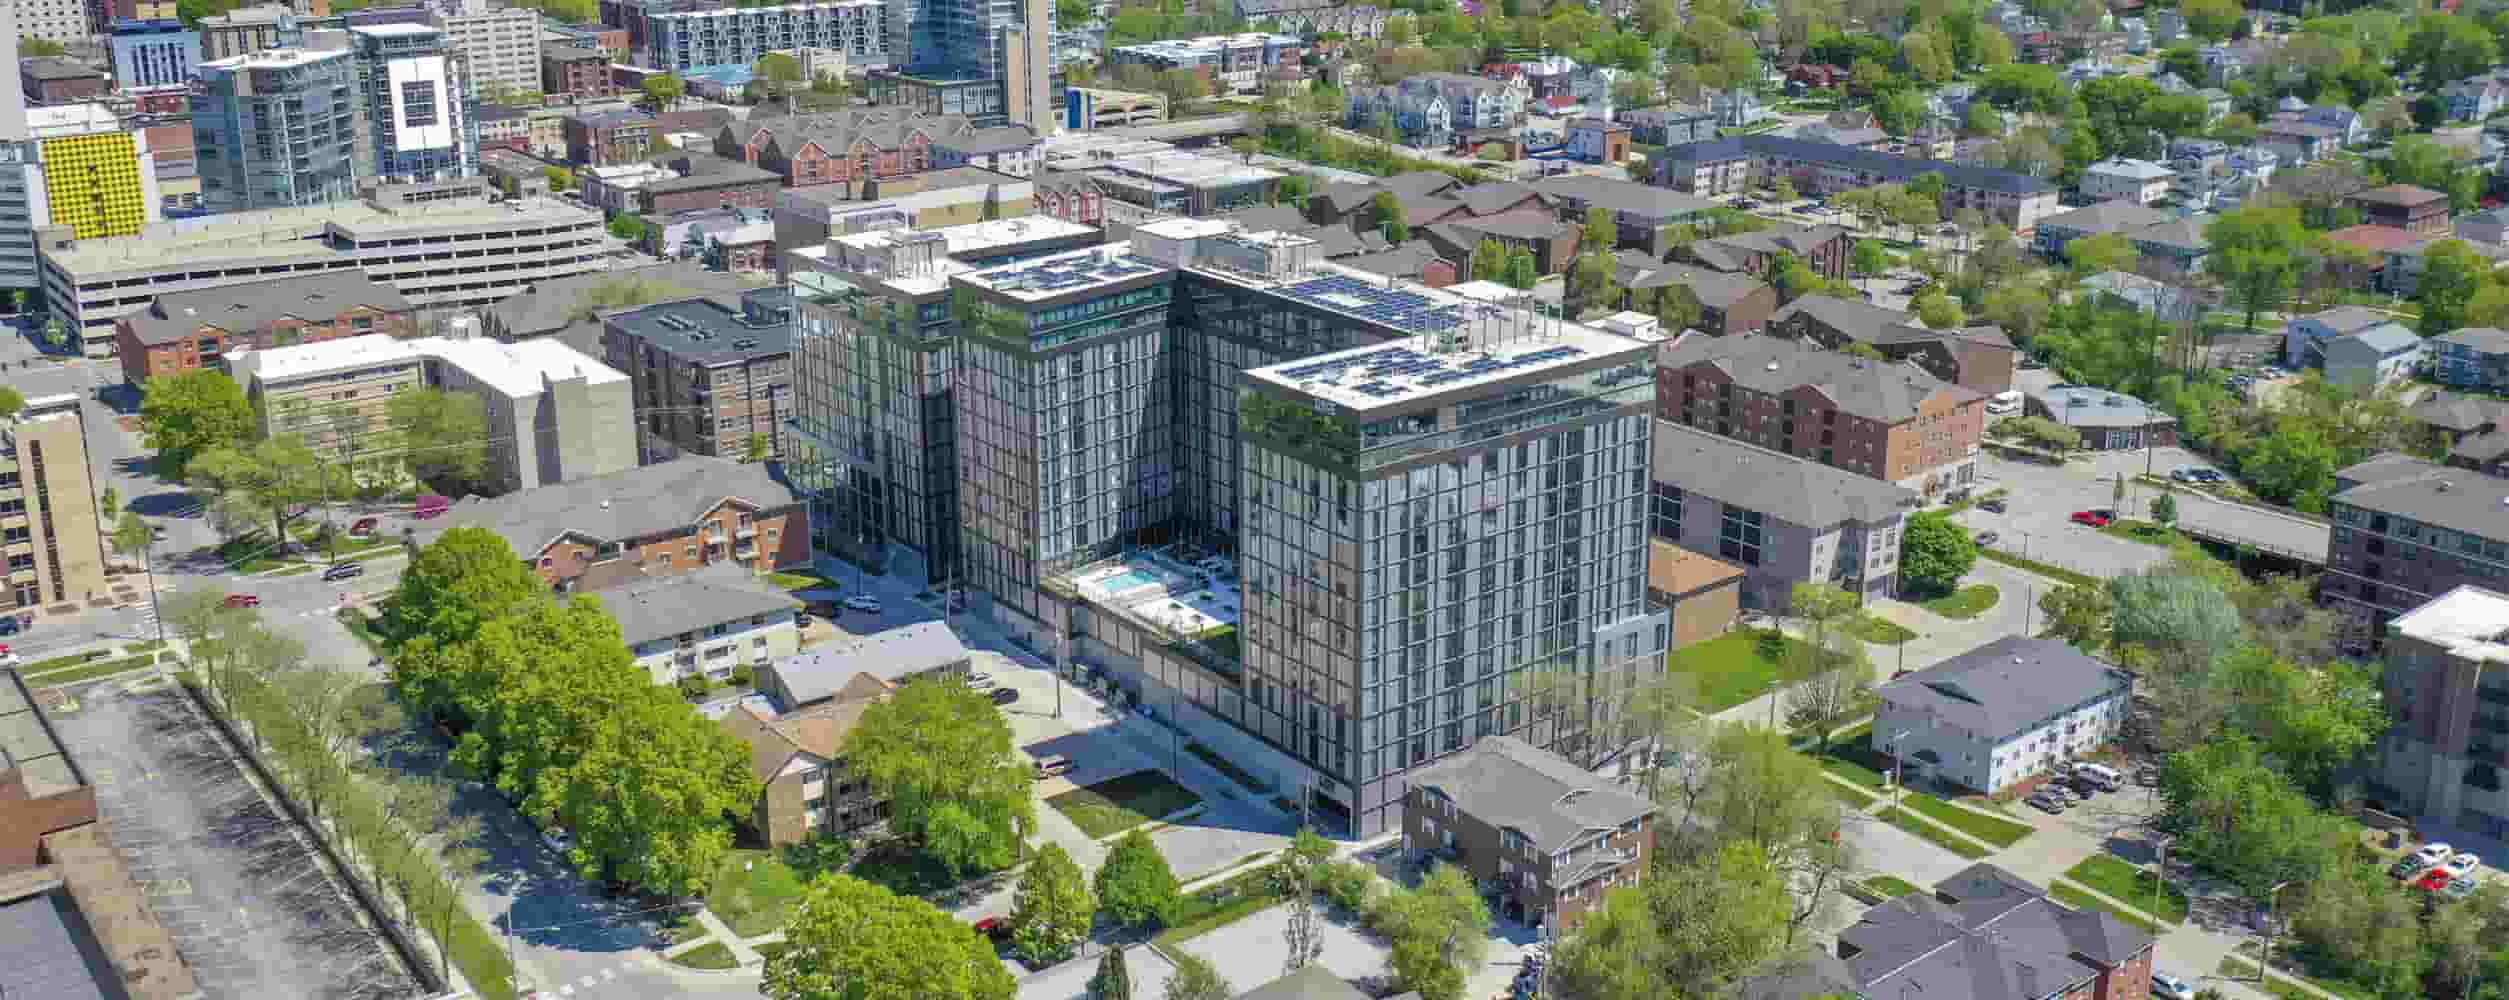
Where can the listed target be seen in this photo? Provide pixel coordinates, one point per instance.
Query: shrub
(695, 685)
(1348, 884)
(742, 676)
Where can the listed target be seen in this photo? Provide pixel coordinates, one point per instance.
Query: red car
(2434, 880)
(994, 927)
(2090, 517)
(243, 601)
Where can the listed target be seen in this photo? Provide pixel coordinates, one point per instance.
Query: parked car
(157, 532)
(1995, 504)
(2090, 517)
(2047, 801)
(1053, 764)
(2083, 785)
(243, 601)
(364, 528)
(980, 685)
(2434, 853)
(343, 571)
(862, 603)
(1985, 537)
(2434, 880)
(996, 928)
(9, 659)
(2405, 867)
(2171, 988)
(9, 625)
(1003, 695)
(2210, 476)
(559, 841)
(979, 677)
(2462, 864)
(2459, 888)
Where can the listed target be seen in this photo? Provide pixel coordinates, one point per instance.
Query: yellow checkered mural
(93, 184)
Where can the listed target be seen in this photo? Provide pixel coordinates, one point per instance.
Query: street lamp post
(2265, 968)
(2160, 871)
(1898, 768)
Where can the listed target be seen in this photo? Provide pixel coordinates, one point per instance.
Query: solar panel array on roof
(1393, 307)
(1069, 272)
(1417, 370)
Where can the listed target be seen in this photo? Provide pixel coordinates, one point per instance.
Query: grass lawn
(1908, 821)
(1889, 886)
(2058, 573)
(1118, 804)
(1210, 909)
(2135, 530)
(1852, 798)
(2244, 971)
(1729, 670)
(902, 870)
(287, 569)
(1855, 772)
(73, 675)
(1999, 832)
(2081, 900)
(2115, 877)
(1873, 629)
(769, 950)
(800, 581)
(1966, 603)
(710, 955)
(2299, 964)
(752, 890)
(62, 662)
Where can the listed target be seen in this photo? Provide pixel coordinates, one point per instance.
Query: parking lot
(249, 904)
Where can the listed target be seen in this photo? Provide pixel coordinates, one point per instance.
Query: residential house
(2015, 200)
(2107, 421)
(2472, 430)
(2169, 303)
(2178, 244)
(1703, 593)
(676, 517)
(1552, 242)
(1781, 519)
(1815, 76)
(1593, 140)
(2475, 357)
(2412, 209)
(2139, 181)
(2351, 129)
(1823, 248)
(1887, 420)
(1737, 108)
(2373, 357)
(1979, 358)
(857, 146)
(182, 331)
(1984, 934)
(1350, 204)
(2475, 98)
(2224, 63)
(1728, 303)
(2299, 142)
(604, 138)
(2001, 714)
(1471, 103)
(804, 787)
(2197, 152)
(707, 622)
(1672, 125)
(2302, 335)
(2117, 216)
(1550, 836)
(2167, 25)
(921, 651)
(1643, 214)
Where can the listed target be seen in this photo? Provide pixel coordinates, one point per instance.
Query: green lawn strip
(2241, 970)
(73, 675)
(1890, 886)
(907, 872)
(2120, 880)
(59, 662)
(1728, 670)
(1209, 909)
(1910, 822)
(1993, 830)
(150, 646)
(1228, 767)
(2135, 530)
(1118, 804)
(2080, 900)
(1874, 629)
(770, 949)
(2057, 573)
(479, 955)
(2298, 964)
(1966, 603)
(710, 955)
(751, 892)
(800, 581)
(1850, 796)
(291, 569)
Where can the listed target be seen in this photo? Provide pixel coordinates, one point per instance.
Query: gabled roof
(2457, 411)
(1883, 165)
(891, 656)
(2400, 195)
(2385, 339)
(1512, 785)
(2346, 319)
(623, 505)
(1310, 982)
(2184, 234)
(2371, 236)
(818, 730)
(2005, 688)
(1874, 390)
(1494, 197)
(1795, 490)
(1860, 321)
(1715, 289)
(2485, 339)
(2117, 215)
(665, 606)
(238, 308)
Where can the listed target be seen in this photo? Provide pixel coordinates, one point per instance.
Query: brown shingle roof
(1680, 572)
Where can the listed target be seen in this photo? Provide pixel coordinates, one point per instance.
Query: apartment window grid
(1469, 571)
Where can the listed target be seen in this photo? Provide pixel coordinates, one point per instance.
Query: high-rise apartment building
(411, 88)
(967, 57)
(54, 557)
(63, 21)
(245, 31)
(276, 128)
(1329, 523)
(708, 379)
(688, 41)
(20, 176)
(874, 351)
(98, 179)
(153, 55)
(2447, 680)
(499, 46)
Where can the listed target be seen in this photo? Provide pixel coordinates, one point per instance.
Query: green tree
(2105, 252)
(2444, 48)
(662, 90)
(2256, 255)
(2165, 509)
(758, 448)
(559, 178)
(1438, 933)
(1196, 979)
(938, 742)
(851, 939)
(1601, 234)
(11, 402)
(1113, 980)
(31, 47)
(185, 414)
(1691, 929)
(443, 435)
(2211, 20)
(1522, 272)
(1935, 552)
(1070, 14)
(2240, 817)
(1386, 213)
(1937, 309)
(1489, 260)
(2293, 465)
(131, 535)
(1051, 911)
(466, 576)
(627, 227)
(1134, 886)
(1869, 259)
(108, 502)
(2077, 614)
(2452, 274)
(263, 482)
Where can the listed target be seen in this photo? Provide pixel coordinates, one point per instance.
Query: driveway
(1255, 950)
(2041, 497)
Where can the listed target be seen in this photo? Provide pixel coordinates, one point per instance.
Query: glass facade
(415, 124)
(876, 422)
(278, 131)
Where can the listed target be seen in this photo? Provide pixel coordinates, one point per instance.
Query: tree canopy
(849, 938)
(187, 413)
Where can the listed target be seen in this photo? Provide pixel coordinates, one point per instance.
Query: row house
(1420, 104)
(1887, 421)
(184, 331)
(1547, 837)
(856, 146)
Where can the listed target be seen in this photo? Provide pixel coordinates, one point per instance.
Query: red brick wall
(2131, 981)
(63, 91)
(744, 194)
(790, 545)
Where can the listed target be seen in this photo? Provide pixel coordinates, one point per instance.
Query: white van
(2007, 401)
(2100, 774)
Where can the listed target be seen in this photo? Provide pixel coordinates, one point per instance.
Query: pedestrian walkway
(742, 952)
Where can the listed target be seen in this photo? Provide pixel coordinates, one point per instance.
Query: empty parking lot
(248, 904)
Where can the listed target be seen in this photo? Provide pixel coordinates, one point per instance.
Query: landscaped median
(1992, 829)
(1118, 804)
(2116, 879)
(1936, 835)
(89, 665)
(2074, 897)
(2057, 573)
(1963, 604)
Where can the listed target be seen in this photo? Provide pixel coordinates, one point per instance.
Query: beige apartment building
(55, 559)
(502, 45)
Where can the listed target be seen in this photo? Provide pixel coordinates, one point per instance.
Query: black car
(344, 571)
(9, 625)
(1985, 538)
(1003, 695)
(1995, 504)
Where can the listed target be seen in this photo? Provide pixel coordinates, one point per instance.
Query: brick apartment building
(2403, 206)
(707, 181)
(652, 521)
(1728, 303)
(1884, 420)
(608, 138)
(188, 330)
(575, 71)
(60, 80)
(798, 757)
(1982, 934)
(1550, 835)
(1823, 248)
(1977, 357)
(707, 377)
(2408, 530)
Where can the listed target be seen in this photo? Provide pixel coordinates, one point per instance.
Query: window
(1664, 511)
(418, 103)
(1739, 536)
